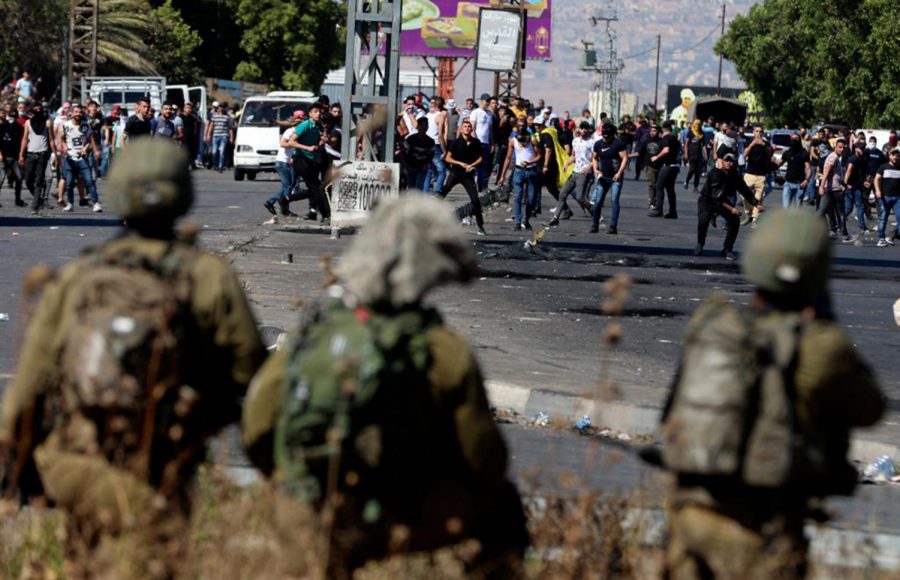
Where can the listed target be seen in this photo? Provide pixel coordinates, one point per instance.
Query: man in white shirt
(24, 86)
(582, 178)
(483, 122)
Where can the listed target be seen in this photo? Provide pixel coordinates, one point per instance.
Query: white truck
(263, 120)
(125, 91)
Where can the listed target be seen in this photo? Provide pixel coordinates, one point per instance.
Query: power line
(653, 49)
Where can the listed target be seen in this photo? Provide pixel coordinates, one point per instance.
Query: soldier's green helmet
(789, 254)
(150, 180)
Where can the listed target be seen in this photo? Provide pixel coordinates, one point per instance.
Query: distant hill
(683, 25)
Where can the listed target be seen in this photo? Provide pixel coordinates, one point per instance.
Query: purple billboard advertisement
(450, 27)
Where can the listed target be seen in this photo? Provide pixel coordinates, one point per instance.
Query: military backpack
(356, 407)
(732, 411)
(123, 356)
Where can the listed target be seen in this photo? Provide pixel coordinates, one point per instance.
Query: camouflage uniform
(742, 521)
(453, 468)
(105, 493)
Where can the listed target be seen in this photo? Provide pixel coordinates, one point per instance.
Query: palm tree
(122, 27)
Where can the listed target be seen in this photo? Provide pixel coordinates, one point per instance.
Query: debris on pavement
(583, 423)
(882, 470)
(4, 317)
(541, 419)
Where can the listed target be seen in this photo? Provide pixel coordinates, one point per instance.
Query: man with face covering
(37, 146)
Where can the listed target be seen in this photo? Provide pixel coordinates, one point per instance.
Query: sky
(688, 30)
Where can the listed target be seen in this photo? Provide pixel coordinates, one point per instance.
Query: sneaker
(612, 230)
(68, 207)
(698, 250)
(833, 234)
(526, 226)
(882, 243)
(593, 230)
(746, 219)
(480, 231)
(671, 216)
(848, 239)
(311, 216)
(20, 203)
(270, 207)
(518, 227)
(685, 185)
(654, 213)
(97, 208)
(729, 255)
(890, 241)
(553, 223)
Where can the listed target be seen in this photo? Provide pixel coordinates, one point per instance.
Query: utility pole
(509, 83)
(719, 83)
(609, 67)
(371, 82)
(82, 45)
(656, 87)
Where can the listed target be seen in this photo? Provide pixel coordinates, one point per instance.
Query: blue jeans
(888, 203)
(219, 145)
(437, 166)
(811, 192)
(104, 161)
(525, 184)
(791, 194)
(853, 197)
(415, 179)
(614, 188)
(72, 169)
(288, 179)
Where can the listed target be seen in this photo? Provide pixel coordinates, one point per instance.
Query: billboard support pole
(371, 80)
(509, 84)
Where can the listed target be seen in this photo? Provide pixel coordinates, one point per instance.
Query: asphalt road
(533, 317)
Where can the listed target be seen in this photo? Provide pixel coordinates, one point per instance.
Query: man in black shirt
(854, 178)
(463, 157)
(191, 137)
(670, 159)
(418, 151)
(887, 194)
(648, 149)
(798, 173)
(759, 165)
(138, 125)
(10, 144)
(610, 159)
(722, 183)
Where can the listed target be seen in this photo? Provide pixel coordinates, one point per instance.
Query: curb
(624, 417)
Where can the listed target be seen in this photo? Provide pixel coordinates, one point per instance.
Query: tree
(121, 29)
(290, 44)
(810, 61)
(31, 41)
(173, 46)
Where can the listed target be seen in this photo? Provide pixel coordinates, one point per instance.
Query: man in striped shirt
(219, 133)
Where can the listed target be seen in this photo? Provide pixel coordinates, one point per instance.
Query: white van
(125, 92)
(262, 122)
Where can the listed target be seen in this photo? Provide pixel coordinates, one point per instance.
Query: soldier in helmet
(757, 427)
(375, 415)
(137, 353)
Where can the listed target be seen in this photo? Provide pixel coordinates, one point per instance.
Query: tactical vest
(123, 395)
(732, 412)
(356, 406)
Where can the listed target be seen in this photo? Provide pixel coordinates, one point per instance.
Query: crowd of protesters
(582, 161)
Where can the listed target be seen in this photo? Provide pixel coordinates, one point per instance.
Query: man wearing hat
(482, 123)
(722, 184)
(757, 427)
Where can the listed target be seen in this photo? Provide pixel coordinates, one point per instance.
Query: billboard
(680, 97)
(499, 39)
(450, 27)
